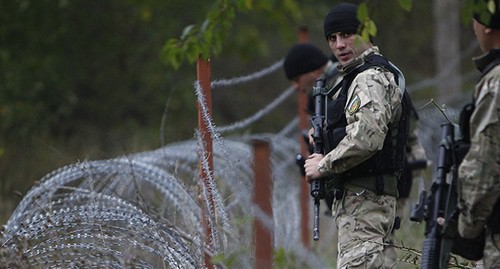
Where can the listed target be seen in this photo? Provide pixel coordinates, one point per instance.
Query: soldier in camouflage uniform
(361, 140)
(479, 172)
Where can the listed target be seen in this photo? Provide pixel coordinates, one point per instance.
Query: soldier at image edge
(478, 184)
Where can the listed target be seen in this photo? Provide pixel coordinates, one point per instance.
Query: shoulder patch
(354, 105)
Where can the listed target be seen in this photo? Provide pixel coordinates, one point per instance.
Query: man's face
(346, 46)
(305, 82)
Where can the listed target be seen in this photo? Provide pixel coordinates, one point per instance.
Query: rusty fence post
(262, 198)
(203, 76)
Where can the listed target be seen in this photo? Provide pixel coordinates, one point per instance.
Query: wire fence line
(433, 81)
(273, 104)
(428, 119)
(245, 79)
(259, 114)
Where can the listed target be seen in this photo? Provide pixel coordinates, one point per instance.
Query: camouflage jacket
(479, 173)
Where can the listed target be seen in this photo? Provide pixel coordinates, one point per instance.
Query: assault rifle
(440, 204)
(317, 120)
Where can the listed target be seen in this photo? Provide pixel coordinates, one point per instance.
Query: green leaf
(406, 4)
(372, 28)
(172, 53)
(245, 4)
(363, 13)
(491, 6)
(467, 11)
(193, 49)
(365, 34)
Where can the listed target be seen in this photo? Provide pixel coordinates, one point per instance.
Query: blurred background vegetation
(84, 79)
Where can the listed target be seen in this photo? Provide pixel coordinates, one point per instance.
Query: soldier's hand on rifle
(311, 166)
(310, 135)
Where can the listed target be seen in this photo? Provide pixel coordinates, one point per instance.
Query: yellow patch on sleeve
(354, 105)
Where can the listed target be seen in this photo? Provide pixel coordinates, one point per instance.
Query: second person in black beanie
(304, 63)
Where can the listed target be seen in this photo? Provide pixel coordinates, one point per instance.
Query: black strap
(489, 67)
(494, 220)
(335, 89)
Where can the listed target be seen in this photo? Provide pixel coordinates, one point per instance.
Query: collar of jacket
(485, 62)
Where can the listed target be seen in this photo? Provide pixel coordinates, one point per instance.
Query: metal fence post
(262, 198)
(203, 76)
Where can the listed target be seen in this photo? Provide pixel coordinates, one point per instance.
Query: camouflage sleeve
(479, 175)
(374, 101)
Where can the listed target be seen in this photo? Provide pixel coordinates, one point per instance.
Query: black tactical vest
(391, 158)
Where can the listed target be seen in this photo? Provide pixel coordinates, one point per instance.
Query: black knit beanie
(342, 18)
(303, 58)
(486, 17)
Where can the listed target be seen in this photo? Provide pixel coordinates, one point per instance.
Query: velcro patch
(354, 105)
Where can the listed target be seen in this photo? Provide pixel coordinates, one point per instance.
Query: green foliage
(282, 259)
(202, 41)
(70, 63)
(406, 4)
(483, 8)
(86, 71)
(227, 260)
(31, 83)
(368, 27)
(207, 40)
(285, 260)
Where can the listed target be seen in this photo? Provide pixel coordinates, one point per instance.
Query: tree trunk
(447, 50)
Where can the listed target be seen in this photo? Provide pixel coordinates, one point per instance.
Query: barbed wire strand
(219, 142)
(244, 79)
(260, 114)
(204, 154)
